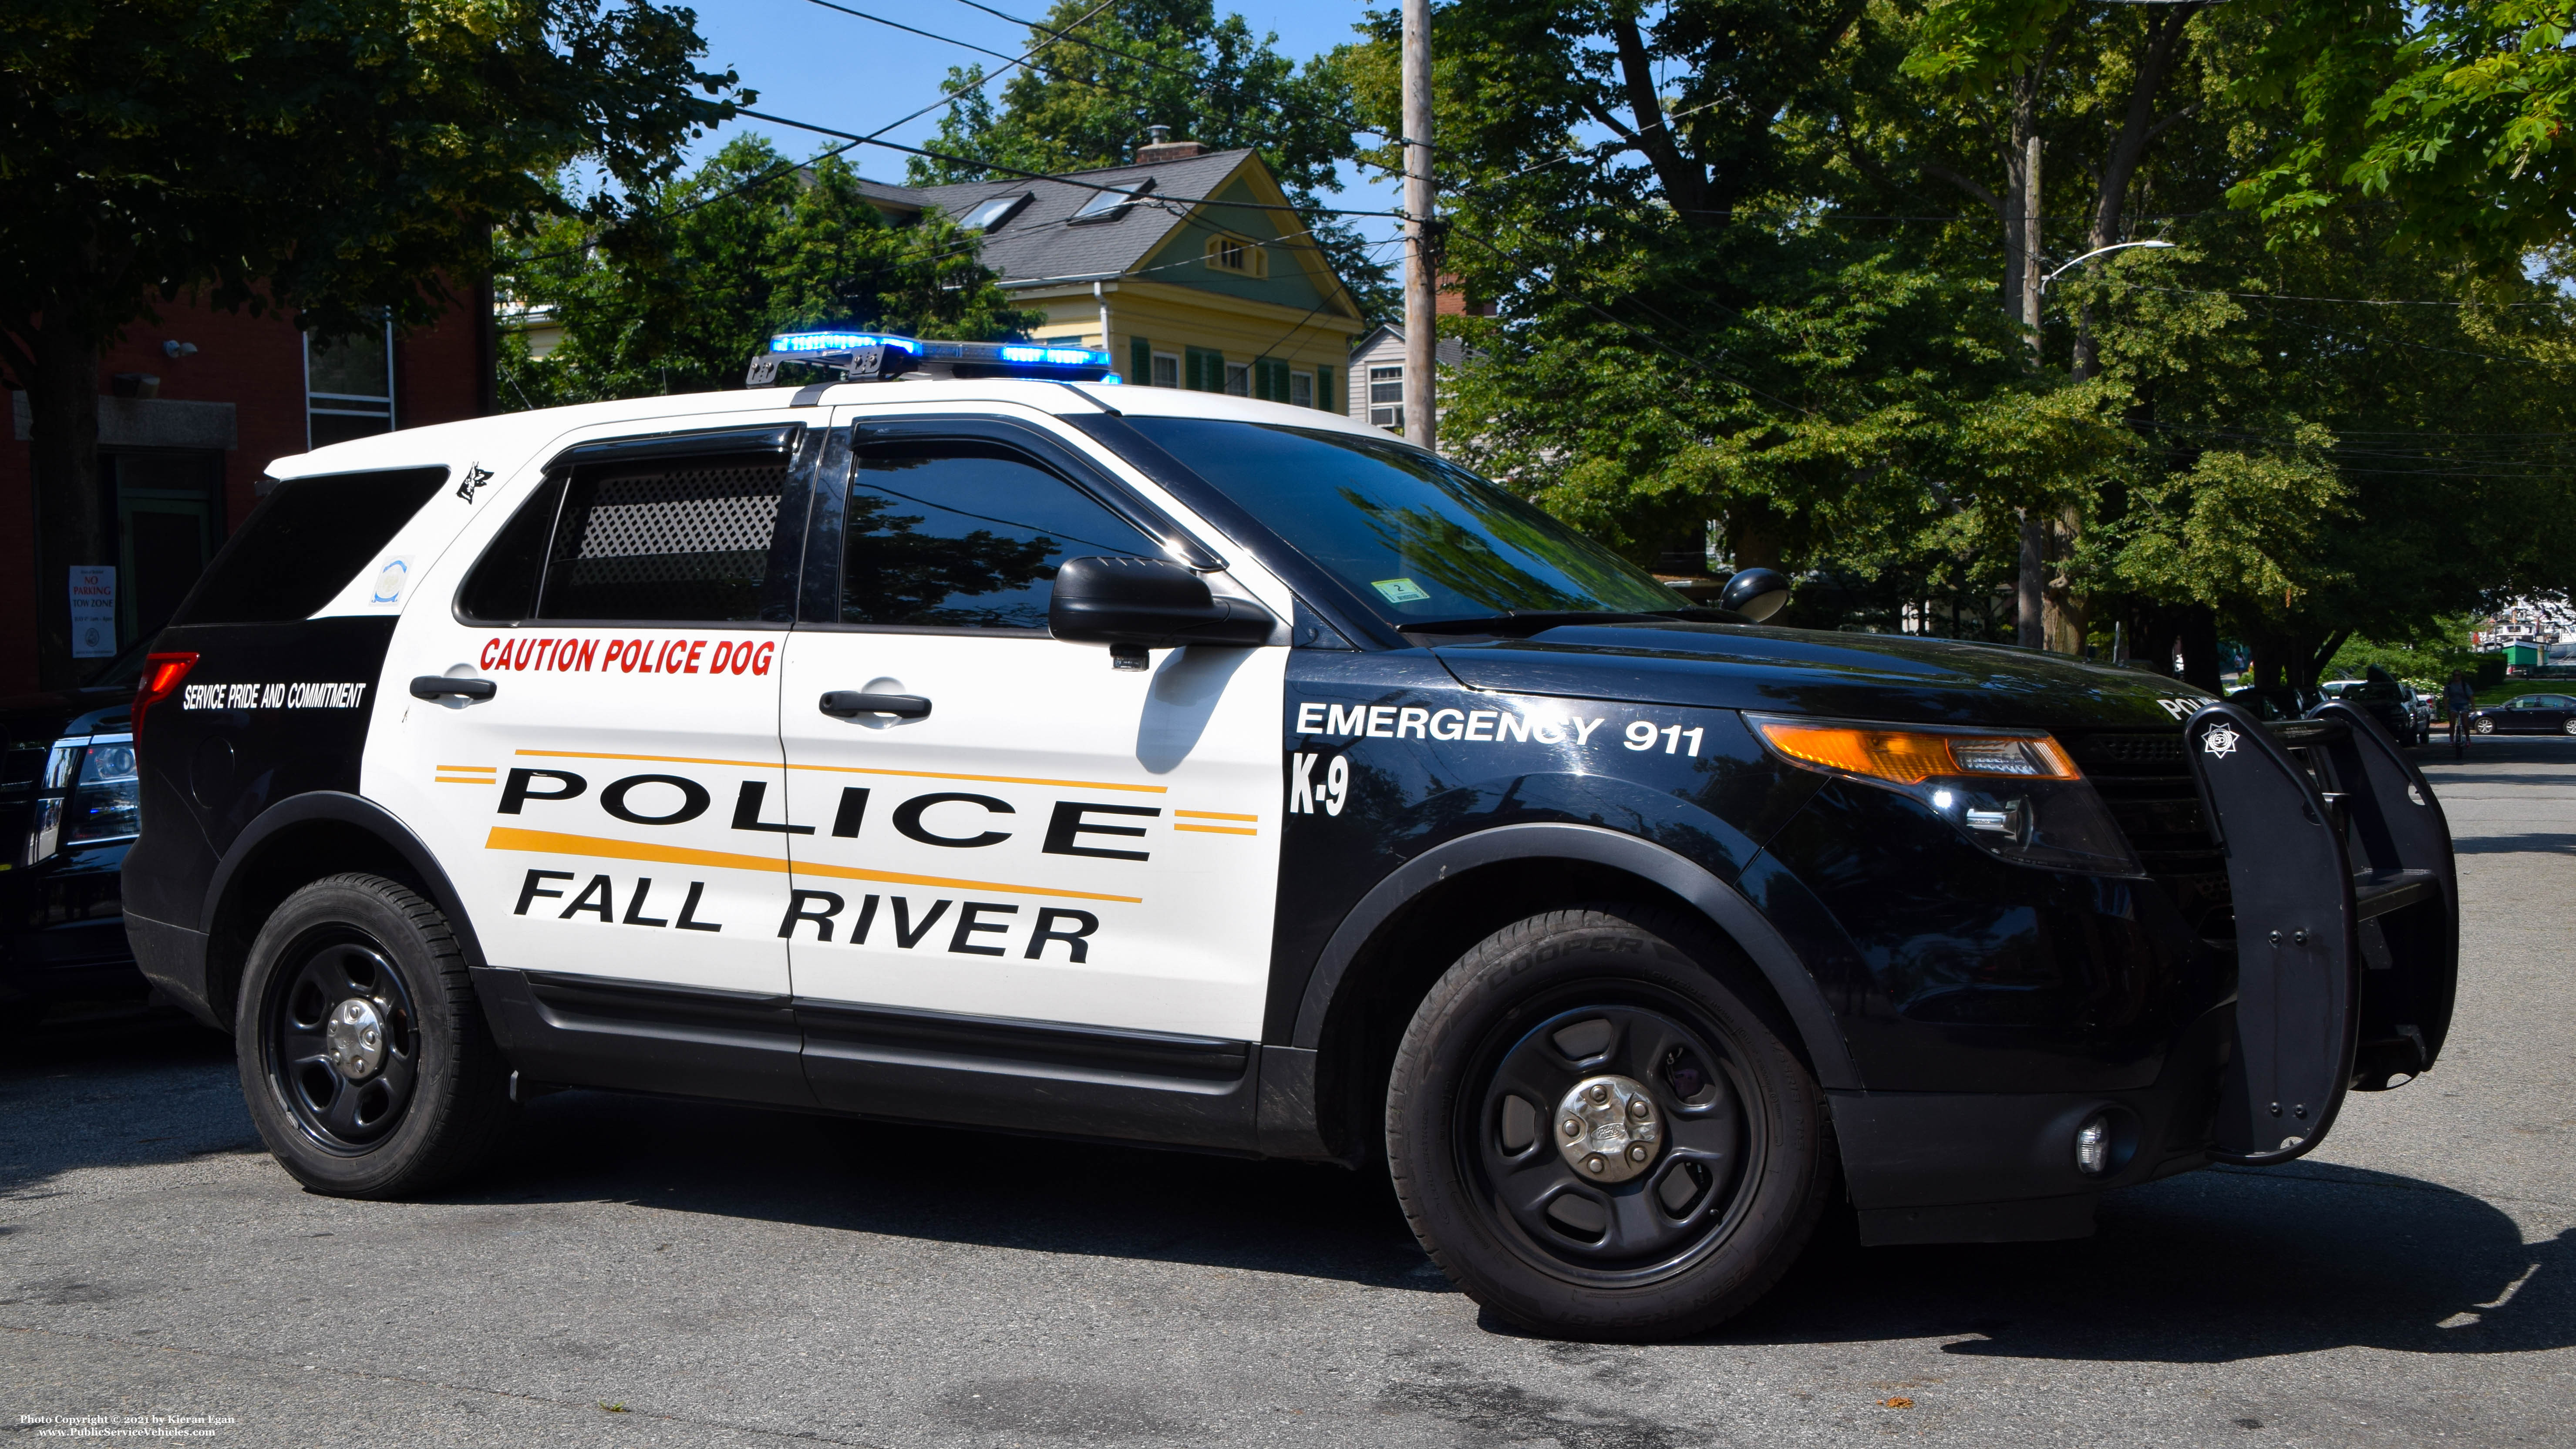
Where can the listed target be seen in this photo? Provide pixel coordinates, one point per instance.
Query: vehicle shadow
(2212, 1266)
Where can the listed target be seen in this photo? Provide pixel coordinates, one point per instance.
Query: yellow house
(1188, 266)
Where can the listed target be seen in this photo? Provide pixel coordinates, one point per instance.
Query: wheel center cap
(1609, 1129)
(357, 1038)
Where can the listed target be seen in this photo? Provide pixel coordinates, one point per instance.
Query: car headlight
(89, 795)
(2015, 793)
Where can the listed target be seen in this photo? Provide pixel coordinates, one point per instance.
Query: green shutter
(1140, 361)
(1206, 370)
(1270, 380)
(1325, 396)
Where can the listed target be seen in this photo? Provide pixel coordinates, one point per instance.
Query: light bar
(863, 356)
(838, 342)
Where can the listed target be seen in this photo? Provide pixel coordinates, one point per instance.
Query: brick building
(190, 411)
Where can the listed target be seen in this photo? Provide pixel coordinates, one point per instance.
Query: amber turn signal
(1909, 757)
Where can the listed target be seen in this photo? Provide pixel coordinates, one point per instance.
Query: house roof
(1039, 242)
(1448, 352)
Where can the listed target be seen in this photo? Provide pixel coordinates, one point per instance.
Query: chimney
(1160, 147)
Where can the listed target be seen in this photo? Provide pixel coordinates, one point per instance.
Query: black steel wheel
(1598, 1128)
(343, 1041)
(365, 1062)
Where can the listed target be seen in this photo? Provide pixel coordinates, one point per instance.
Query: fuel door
(2297, 953)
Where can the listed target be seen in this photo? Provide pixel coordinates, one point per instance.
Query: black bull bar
(2347, 918)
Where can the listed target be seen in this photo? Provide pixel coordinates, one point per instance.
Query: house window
(1234, 254)
(1386, 397)
(1301, 389)
(348, 387)
(1238, 379)
(1167, 370)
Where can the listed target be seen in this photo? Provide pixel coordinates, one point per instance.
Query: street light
(2098, 251)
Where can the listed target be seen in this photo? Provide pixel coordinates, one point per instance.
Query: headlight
(2014, 792)
(89, 795)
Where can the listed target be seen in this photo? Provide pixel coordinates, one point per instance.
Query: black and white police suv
(962, 736)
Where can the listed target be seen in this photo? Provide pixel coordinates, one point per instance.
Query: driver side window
(962, 533)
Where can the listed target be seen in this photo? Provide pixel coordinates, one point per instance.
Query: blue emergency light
(881, 357)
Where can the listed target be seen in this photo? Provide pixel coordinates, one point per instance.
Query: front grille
(2147, 783)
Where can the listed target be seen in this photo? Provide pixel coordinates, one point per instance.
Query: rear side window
(683, 540)
(304, 543)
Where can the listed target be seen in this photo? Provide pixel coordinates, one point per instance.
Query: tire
(1742, 1165)
(2483, 725)
(2569, 728)
(348, 952)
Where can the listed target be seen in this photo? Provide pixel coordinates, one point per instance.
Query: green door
(166, 530)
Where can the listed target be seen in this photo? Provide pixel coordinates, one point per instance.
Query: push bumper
(2346, 942)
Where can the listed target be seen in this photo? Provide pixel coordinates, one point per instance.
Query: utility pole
(2031, 593)
(1421, 272)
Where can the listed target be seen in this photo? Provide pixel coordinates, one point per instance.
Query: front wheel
(364, 1058)
(2484, 726)
(1597, 1128)
(2568, 728)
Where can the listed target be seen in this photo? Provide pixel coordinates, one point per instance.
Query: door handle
(439, 686)
(849, 703)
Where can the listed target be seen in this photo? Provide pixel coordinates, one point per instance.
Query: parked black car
(67, 815)
(2529, 714)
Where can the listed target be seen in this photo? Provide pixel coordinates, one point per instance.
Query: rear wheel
(1597, 1128)
(364, 1058)
(2569, 728)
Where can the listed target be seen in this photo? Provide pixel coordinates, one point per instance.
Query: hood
(1891, 677)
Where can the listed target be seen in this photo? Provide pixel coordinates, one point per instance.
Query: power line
(1129, 190)
(773, 172)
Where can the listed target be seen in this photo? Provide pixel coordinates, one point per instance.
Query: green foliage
(2458, 112)
(2427, 660)
(1092, 88)
(681, 298)
(335, 158)
(1726, 293)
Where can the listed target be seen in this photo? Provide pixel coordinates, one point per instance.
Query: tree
(1093, 86)
(707, 268)
(340, 162)
(2089, 85)
(2455, 113)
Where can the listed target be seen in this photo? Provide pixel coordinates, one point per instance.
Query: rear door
(601, 784)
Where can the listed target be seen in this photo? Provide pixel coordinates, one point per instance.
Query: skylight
(990, 214)
(1109, 203)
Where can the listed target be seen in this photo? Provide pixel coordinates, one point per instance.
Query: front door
(604, 796)
(1015, 828)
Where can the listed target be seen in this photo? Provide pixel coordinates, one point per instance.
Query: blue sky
(837, 70)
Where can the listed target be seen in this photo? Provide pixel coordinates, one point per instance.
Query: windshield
(1419, 539)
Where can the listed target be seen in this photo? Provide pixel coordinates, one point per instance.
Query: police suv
(962, 737)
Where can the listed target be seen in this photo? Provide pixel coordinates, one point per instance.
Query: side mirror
(1757, 594)
(1136, 604)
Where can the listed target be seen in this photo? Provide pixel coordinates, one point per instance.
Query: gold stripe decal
(1217, 829)
(847, 770)
(1211, 815)
(510, 837)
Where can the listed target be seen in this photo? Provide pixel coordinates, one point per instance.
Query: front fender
(1712, 896)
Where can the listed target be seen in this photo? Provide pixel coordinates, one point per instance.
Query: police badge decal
(2220, 741)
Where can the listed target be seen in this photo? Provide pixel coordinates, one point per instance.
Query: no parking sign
(93, 611)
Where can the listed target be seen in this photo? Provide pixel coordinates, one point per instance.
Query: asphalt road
(639, 1273)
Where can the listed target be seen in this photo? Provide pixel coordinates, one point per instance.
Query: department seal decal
(2220, 741)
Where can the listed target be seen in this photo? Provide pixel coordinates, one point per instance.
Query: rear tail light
(161, 676)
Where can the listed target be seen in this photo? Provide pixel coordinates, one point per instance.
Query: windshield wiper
(1521, 623)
